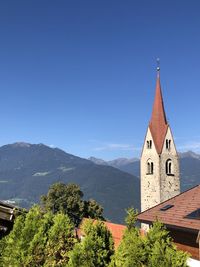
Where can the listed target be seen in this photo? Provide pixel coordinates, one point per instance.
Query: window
(149, 144)
(169, 206)
(149, 167)
(169, 167)
(168, 144)
(194, 215)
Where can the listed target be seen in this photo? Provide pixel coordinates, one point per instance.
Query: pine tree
(36, 255)
(96, 248)
(160, 250)
(11, 244)
(61, 240)
(130, 252)
(155, 249)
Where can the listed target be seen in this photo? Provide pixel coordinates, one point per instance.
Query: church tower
(159, 165)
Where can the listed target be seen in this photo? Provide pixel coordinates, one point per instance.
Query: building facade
(159, 160)
(181, 217)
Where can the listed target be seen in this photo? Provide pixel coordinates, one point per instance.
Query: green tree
(131, 218)
(11, 253)
(155, 249)
(96, 248)
(68, 199)
(36, 255)
(61, 240)
(160, 250)
(130, 252)
(93, 210)
(38, 239)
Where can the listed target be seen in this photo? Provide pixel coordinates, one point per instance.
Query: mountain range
(27, 171)
(189, 167)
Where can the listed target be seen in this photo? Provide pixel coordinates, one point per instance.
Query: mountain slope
(27, 171)
(189, 168)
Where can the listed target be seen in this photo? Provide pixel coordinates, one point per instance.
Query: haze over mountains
(27, 171)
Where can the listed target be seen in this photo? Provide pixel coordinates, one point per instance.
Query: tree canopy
(45, 238)
(68, 199)
(96, 247)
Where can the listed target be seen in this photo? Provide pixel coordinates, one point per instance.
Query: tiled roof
(117, 231)
(183, 204)
(158, 124)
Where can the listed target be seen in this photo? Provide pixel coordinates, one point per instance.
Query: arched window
(149, 144)
(149, 166)
(168, 144)
(169, 167)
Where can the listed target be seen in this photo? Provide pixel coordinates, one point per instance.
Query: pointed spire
(158, 123)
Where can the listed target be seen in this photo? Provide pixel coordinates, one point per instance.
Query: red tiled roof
(117, 231)
(158, 124)
(183, 204)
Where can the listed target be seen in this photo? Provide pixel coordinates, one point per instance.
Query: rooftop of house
(6, 211)
(182, 211)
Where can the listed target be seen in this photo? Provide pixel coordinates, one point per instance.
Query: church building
(159, 161)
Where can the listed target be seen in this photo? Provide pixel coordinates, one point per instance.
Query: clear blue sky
(80, 75)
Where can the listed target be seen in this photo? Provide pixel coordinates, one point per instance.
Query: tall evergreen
(96, 247)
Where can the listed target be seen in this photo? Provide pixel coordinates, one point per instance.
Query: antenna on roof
(158, 63)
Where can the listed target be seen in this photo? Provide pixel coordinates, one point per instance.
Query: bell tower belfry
(159, 165)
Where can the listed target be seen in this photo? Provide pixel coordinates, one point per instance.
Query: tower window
(149, 144)
(150, 167)
(169, 167)
(168, 144)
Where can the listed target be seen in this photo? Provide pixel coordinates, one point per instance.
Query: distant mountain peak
(98, 161)
(189, 154)
(122, 161)
(21, 144)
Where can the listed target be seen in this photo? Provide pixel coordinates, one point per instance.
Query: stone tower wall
(159, 186)
(170, 183)
(150, 183)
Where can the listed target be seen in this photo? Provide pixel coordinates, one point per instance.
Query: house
(181, 216)
(6, 218)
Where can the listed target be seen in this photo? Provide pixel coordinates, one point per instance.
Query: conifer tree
(11, 244)
(160, 250)
(61, 240)
(130, 252)
(95, 249)
(36, 255)
(154, 249)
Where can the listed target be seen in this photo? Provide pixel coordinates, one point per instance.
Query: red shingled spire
(158, 124)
